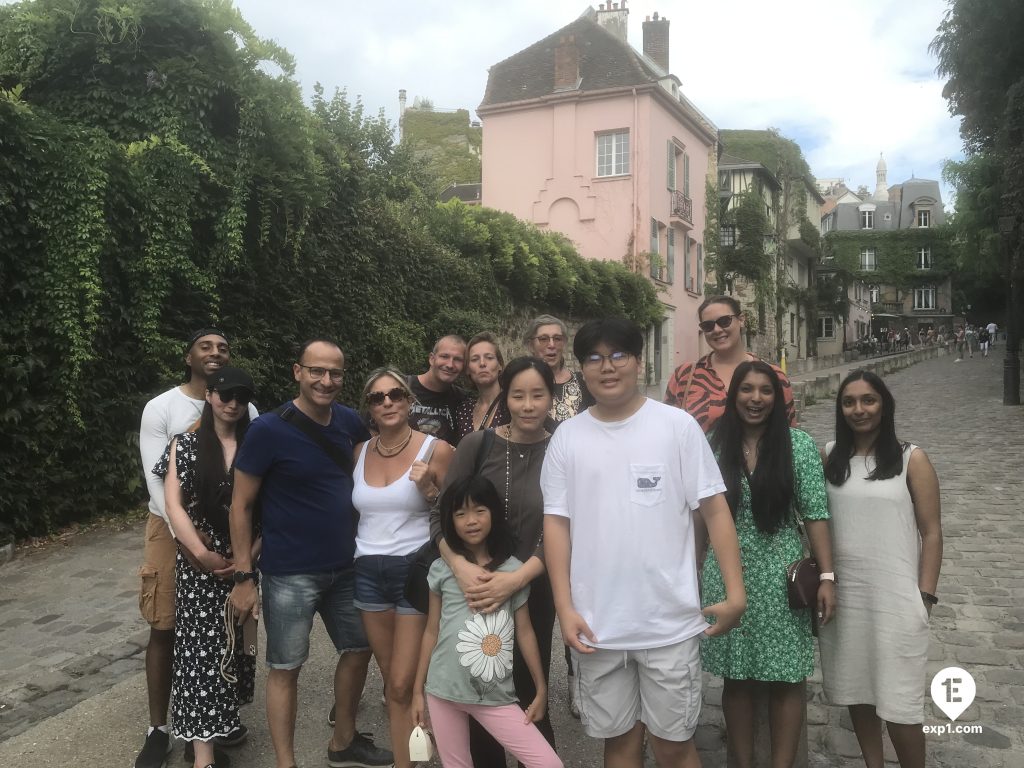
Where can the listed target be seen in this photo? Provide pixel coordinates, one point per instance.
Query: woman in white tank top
(395, 481)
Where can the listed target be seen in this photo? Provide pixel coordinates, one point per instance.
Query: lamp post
(1011, 363)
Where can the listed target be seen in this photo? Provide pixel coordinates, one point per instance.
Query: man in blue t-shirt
(298, 464)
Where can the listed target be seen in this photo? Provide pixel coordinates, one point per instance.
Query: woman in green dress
(774, 480)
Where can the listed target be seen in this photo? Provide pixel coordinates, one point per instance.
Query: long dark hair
(887, 449)
(213, 495)
(477, 489)
(771, 484)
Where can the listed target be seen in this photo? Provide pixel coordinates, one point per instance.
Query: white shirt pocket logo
(647, 486)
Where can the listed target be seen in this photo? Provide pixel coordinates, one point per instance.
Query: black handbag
(417, 593)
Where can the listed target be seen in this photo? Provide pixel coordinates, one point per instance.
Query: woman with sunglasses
(515, 453)
(484, 364)
(397, 477)
(197, 469)
(700, 387)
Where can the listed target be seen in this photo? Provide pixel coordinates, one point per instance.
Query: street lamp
(1011, 363)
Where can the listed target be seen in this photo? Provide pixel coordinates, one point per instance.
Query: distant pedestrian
(887, 537)
(208, 685)
(970, 339)
(959, 342)
(920, 336)
(993, 332)
(984, 338)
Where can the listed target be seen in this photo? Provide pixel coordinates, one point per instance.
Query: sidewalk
(70, 668)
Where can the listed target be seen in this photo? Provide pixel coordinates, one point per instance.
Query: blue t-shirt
(308, 519)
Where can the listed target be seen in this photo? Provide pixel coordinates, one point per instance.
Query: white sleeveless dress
(875, 650)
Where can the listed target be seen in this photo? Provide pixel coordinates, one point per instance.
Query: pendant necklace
(388, 451)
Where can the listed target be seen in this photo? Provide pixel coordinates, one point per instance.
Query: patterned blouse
(570, 398)
(464, 417)
(705, 399)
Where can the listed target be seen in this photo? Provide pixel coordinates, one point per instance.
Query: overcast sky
(845, 80)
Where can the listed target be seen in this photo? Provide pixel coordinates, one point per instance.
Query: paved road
(71, 639)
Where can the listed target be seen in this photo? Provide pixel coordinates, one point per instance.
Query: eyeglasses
(545, 340)
(395, 395)
(337, 374)
(232, 395)
(616, 358)
(722, 322)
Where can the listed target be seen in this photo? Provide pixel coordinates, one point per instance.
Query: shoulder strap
(289, 413)
(485, 448)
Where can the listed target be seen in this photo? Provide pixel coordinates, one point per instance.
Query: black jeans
(486, 751)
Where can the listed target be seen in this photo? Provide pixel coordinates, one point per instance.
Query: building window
(874, 293)
(858, 291)
(655, 249)
(687, 276)
(670, 254)
(792, 328)
(670, 180)
(924, 258)
(867, 259)
(826, 328)
(725, 180)
(924, 218)
(686, 174)
(700, 268)
(613, 153)
(867, 219)
(727, 237)
(924, 298)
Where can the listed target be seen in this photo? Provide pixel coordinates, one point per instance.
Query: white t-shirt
(992, 328)
(628, 489)
(165, 416)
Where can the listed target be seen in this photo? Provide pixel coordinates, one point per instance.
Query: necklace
(386, 451)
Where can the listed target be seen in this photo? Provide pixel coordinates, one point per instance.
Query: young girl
(465, 666)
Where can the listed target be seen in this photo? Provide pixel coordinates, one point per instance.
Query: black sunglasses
(396, 395)
(231, 395)
(722, 322)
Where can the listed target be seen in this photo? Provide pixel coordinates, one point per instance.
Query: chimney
(614, 17)
(401, 112)
(567, 63)
(656, 41)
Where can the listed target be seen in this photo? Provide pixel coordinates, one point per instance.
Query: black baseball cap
(229, 378)
(198, 334)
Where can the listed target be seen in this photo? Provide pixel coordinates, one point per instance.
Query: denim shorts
(289, 603)
(380, 583)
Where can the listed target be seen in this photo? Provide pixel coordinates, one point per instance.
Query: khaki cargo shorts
(156, 598)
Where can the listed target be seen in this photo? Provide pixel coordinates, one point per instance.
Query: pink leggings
(450, 721)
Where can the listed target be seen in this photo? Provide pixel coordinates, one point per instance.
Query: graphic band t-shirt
(629, 489)
(308, 519)
(472, 660)
(434, 413)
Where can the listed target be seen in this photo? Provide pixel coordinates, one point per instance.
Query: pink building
(587, 136)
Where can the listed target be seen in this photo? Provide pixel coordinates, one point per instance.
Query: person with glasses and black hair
(700, 387)
(177, 410)
(297, 462)
(397, 478)
(197, 470)
(620, 483)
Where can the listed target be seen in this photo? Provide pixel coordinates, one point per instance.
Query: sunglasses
(722, 322)
(395, 395)
(232, 395)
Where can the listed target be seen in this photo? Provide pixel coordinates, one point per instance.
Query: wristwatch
(240, 577)
(830, 576)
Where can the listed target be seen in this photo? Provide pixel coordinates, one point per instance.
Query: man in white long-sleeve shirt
(165, 416)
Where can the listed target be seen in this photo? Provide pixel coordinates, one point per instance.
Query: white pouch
(420, 745)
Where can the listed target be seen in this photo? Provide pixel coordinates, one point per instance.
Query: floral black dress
(203, 704)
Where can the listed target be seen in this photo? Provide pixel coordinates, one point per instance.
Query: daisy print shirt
(472, 661)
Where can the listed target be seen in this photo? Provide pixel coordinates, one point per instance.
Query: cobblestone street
(71, 636)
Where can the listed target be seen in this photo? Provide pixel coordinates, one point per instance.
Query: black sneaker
(155, 750)
(332, 716)
(361, 753)
(233, 739)
(221, 760)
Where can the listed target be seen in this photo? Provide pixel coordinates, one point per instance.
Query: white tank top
(394, 519)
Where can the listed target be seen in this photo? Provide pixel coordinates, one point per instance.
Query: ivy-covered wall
(895, 255)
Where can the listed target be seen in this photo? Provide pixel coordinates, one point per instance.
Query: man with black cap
(165, 416)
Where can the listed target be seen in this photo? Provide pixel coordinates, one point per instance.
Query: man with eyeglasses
(297, 462)
(436, 397)
(620, 483)
(166, 415)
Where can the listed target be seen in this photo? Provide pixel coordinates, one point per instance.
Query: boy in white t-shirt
(621, 481)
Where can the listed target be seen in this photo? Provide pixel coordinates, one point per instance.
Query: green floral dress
(772, 641)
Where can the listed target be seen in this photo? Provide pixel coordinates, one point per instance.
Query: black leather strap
(288, 412)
